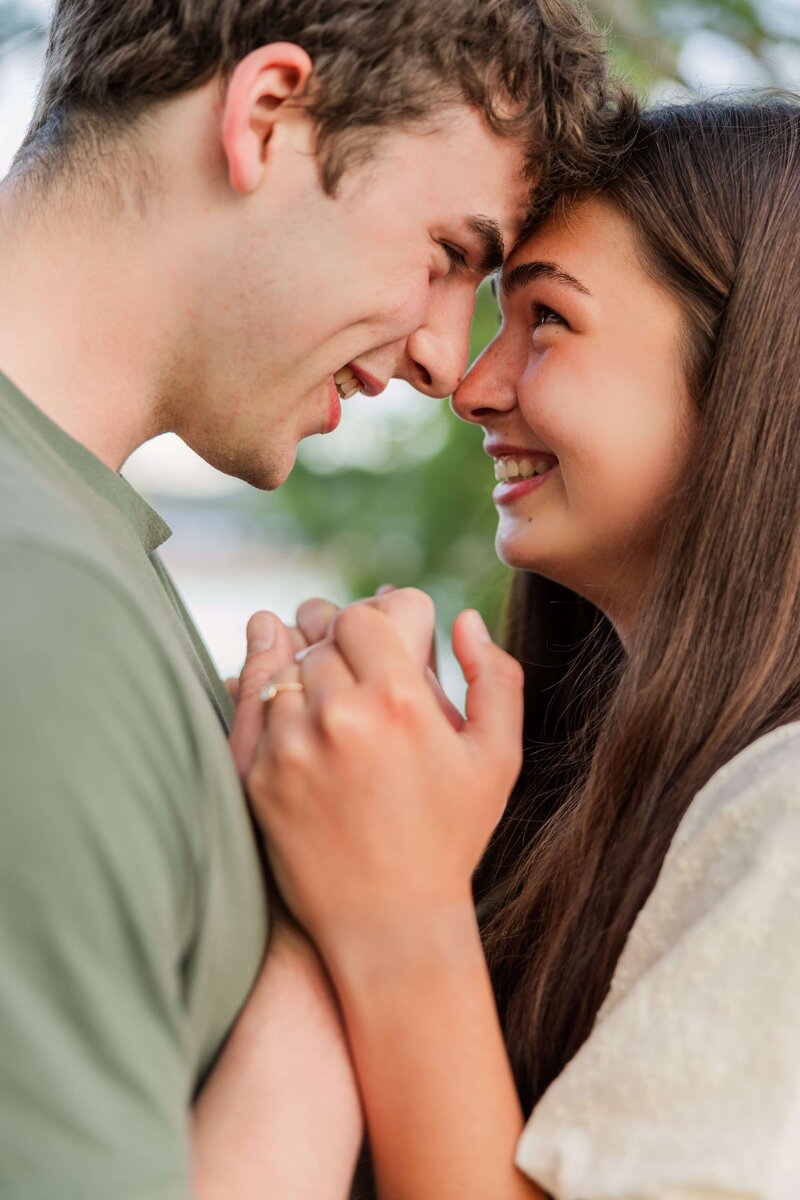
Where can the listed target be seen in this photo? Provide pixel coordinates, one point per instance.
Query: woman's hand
(269, 648)
(376, 810)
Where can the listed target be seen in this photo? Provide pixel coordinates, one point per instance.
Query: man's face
(296, 287)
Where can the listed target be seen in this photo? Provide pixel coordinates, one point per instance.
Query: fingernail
(385, 588)
(478, 626)
(260, 634)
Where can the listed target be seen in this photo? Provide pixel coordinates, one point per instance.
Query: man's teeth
(347, 383)
(506, 469)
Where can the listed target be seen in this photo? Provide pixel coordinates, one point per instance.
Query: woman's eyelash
(542, 315)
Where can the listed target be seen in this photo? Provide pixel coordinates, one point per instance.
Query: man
(227, 216)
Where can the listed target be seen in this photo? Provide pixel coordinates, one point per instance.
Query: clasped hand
(376, 805)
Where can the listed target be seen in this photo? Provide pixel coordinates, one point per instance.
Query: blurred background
(401, 493)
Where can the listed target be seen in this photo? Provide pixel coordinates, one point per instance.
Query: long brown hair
(617, 748)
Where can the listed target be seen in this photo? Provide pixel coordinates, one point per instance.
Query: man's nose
(437, 352)
(487, 391)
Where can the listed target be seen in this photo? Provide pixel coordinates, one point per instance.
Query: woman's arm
(440, 1101)
(376, 812)
(280, 1114)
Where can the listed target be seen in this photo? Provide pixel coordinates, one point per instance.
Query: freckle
(529, 520)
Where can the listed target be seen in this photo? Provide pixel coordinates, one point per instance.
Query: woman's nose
(487, 389)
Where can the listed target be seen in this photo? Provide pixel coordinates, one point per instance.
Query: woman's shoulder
(688, 1083)
(763, 780)
(740, 833)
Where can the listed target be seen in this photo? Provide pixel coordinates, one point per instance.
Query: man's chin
(267, 477)
(266, 472)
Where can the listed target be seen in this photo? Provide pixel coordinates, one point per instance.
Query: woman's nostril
(425, 375)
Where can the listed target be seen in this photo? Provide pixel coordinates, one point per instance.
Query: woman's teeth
(347, 383)
(506, 469)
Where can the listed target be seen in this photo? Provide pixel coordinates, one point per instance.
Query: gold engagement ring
(272, 689)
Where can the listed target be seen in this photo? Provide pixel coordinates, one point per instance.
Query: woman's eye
(542, 315)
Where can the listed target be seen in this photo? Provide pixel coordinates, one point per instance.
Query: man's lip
(370, 386)
(334, 407)
(501, 450)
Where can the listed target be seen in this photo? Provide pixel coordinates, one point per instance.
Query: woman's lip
(334, 407)
(503, 451)
(508, 492)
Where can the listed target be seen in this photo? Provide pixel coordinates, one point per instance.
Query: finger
(325, 674)
(413, 614)
(232, 685)
(314, 619)
(372, 647)
(285, 698)
(269, 648)
(449, 709)
(299, 643)
(494, 688)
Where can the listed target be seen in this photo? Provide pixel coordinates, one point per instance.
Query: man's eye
(458, 260)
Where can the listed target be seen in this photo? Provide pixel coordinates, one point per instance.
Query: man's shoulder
(37, 508)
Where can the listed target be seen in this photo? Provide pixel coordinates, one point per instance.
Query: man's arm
(101, 877)
(286, 1068)
(280, 1116)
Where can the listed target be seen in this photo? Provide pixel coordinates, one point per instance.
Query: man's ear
(257, 91)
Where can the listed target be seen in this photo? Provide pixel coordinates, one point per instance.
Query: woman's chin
(518, 553)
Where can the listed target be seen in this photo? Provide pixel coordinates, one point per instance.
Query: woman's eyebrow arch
(525, 273)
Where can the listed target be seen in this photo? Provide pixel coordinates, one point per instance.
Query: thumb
(269, 647)
(494, 705)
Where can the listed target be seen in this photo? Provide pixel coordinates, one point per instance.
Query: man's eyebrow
(490, 239)
(520, 276)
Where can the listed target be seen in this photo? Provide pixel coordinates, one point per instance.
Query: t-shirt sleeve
(688, 1087)
(96, 893)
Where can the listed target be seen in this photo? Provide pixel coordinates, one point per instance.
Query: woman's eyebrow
(520, 276)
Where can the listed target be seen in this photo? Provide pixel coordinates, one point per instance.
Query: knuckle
(411, 603)
(507, 670)
(343, 720)
(315, 613)
(351, 621)
(421, 601)
(291, 750)
(285, 674)
(398, 700)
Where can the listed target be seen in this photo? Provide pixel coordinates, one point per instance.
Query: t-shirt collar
(150, 528)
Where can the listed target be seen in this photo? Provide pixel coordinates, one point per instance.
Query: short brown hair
(377, 64)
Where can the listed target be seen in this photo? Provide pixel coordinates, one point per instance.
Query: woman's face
(584, 385)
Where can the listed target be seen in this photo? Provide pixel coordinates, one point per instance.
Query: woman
(642, 895)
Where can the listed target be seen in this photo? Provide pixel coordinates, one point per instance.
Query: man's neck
(84, 319)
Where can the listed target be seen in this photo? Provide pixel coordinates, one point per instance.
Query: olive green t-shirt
(132, 904)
